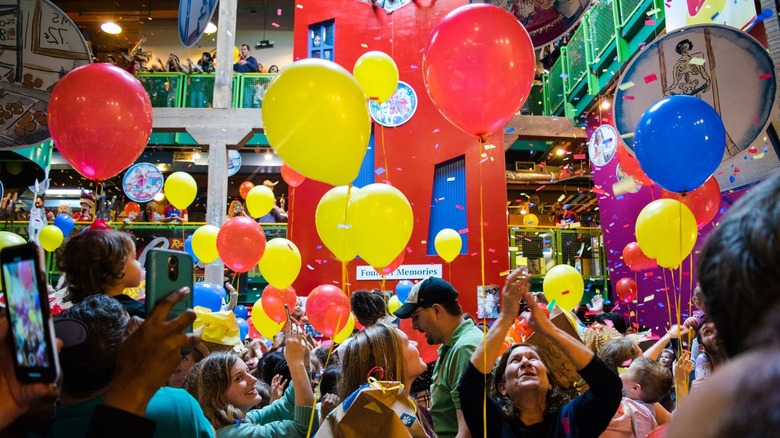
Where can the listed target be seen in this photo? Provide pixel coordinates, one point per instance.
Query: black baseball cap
(430, 291)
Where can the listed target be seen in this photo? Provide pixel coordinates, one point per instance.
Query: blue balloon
(240, 311)
(402, 289)
(65, 223)
(188, 248)
(679, 142)
(208, 295)
(243, 328)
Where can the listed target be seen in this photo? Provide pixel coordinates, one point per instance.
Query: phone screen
(26, 315)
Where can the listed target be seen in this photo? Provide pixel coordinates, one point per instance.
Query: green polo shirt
(454, 355)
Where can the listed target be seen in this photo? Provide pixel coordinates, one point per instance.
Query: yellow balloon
(565, 285)
(281, 262)
(381, 222)
(263, 323)
(204, 243)
(666, 231)
(236, 54)
(377, 75)
(530, 219)
(346, 332)
(50, 237)
(259, 201)
(330, 220)
(317, 121)
(393, 304)
(180, 189)
(8, 238)
(448, 244)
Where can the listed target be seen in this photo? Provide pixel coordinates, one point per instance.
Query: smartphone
(167, 271)
(27, 307)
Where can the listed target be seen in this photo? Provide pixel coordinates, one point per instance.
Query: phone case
(31, 335)
(167, 271)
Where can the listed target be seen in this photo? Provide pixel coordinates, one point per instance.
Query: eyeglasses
(416, 314)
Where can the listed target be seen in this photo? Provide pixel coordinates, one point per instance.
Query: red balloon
(132, 207)
(291, 176)
(658, 432)
(274, 299)
(635, 258)
(398, 261)
(630, 165)
(240, 243)
(328, 309)
(428, 353)
(244, 189)
(704, 202)
(100, 118)
(626, 289)
(482, 52)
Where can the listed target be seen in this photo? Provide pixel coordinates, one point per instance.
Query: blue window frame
(321, 39)
(366, 174)
(448, 202)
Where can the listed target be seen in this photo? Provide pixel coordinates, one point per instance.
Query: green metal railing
(159, 235)
(165, 90)
(541, 248)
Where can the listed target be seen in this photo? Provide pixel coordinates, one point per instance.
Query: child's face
(133, 269)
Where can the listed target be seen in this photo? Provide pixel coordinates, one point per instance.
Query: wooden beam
(543, 128)
(230, 126)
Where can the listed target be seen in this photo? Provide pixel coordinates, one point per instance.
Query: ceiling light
(268, 156)
(111, 27)
(605, 105)
(210, 28)
(196, 155)
(159, 197)
(559, 152)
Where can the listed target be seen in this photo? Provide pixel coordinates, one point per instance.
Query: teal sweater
(279, 419)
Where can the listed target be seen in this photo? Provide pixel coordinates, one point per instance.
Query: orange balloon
(132, 207)
(245, 187)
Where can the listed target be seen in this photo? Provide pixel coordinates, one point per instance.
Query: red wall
(411, 150)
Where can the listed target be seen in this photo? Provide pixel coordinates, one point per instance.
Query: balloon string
(382, 282)
(690, 286)
(317, 389)
(668, 303)
(482, 292)
(344, 278)
(449, 272)
(290, 217)
(384, 152)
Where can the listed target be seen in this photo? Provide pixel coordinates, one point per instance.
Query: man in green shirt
(433, 306)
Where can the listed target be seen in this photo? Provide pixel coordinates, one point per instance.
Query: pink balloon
(328, 309)
(100, 118)
(482, 53)
(240, 243)
(704, 202)
(274, 299)
(291, 176)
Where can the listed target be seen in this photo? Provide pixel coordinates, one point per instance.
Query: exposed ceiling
(132, 15)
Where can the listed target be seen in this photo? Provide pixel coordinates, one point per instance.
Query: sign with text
(404, 272)
(194, 15)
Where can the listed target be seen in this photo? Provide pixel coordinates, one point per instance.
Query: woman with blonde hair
(226, 391)
(385, 353)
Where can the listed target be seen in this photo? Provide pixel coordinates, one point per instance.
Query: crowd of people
(505, 380)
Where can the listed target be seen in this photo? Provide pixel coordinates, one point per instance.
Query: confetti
(649, 22)
(653, 12)
(650, 297)
(697, 61)
(279, 12)
(579, 156)
(765, 76)
(463, 231)
(626, 85)
(275, 24)
(650, 78)
(379, 170)
(450, 179)
(627, 135)
(628, 97)
(509, 131)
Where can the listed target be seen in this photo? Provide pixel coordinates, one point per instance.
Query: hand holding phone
(31, 337)
(166, 272)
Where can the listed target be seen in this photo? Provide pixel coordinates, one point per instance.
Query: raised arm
(515, 287)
